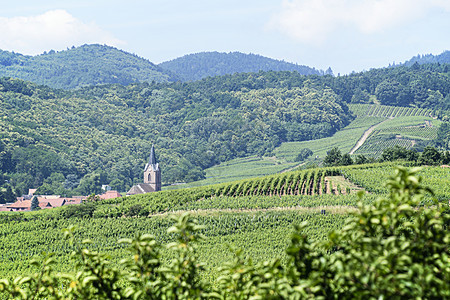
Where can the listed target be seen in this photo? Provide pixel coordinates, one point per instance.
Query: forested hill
(76, 141)
(443, 58)
(200, 65)
(81, 66)
(102, 134)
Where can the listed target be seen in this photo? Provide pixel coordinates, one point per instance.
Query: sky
(346, 35)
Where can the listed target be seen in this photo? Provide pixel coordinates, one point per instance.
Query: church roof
(141, 188)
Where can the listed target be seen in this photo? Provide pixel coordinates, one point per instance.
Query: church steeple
(152, 172)
(152, 158)
(152, 164)
(152, 177)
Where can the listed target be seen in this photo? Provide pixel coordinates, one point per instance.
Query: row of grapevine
(374, 110)
(307, 182)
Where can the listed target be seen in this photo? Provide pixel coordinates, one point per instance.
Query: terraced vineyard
(409, 124)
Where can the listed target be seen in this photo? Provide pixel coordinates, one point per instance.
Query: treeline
(429, 156)
(424, 86)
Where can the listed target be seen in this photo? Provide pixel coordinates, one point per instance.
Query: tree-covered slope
(200, 65)
(102, 134)
(81, 66)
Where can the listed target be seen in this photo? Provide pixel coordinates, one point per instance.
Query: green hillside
(200, 65)
(82, 66)
(404, 126)
(102, 135)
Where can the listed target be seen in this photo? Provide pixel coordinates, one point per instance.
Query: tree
(398, 153)
(387, 91)
(304, 154)
(346, 160)
(333, 157)
(430, 156)
(9, 194)
(44, 189)
(361, 159)
(35, 203)
(443, 136)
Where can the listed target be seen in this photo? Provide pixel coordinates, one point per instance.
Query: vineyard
(402, 126)
(403, 132)
(255, 215)
(373, 110)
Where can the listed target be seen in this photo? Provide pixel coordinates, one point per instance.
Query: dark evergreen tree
(35, 203)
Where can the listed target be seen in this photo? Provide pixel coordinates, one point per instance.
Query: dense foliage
(200, 65)
(394, 248)
(81, 66)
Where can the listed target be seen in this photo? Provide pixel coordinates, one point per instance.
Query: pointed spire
(152, 158)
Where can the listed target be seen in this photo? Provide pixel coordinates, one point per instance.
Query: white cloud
(55, 29)
(313, 21)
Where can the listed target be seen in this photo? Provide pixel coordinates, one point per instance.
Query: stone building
(152, 177)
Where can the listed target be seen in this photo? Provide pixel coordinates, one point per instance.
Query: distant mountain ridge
(82, 66)
(197, 66)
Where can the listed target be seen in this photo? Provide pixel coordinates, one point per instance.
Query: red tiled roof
(110, 195)
(21, 205)
(76, 200)
(56, 202)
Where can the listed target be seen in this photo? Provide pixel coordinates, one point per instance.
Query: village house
(45, 202)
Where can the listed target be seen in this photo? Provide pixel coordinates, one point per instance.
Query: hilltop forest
(100, 64)
(201, 65)
(82, 66)
(71, 142)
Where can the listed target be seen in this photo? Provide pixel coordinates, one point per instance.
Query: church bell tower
(152, 172)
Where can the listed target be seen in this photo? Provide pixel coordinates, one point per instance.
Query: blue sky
(346, 35)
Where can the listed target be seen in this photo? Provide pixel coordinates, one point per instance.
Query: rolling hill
(200, 65)
(82, 66)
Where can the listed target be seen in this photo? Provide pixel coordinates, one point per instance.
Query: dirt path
(294, 167)
(336, 209)
(366, 135)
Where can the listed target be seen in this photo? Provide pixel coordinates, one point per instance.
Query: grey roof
(141, 188)
(152, 160)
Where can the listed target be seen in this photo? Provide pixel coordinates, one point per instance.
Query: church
(152, 177)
